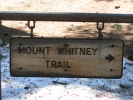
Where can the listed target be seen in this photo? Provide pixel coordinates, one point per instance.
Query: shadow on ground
(6, 33)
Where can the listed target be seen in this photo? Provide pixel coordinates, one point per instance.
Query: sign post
(66, 57)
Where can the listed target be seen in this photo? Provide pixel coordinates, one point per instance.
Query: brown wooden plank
(42, 57)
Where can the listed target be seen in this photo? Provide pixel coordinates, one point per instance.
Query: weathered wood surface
(44, 57)
(66, 16)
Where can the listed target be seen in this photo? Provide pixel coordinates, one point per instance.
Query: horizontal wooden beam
(67, 17)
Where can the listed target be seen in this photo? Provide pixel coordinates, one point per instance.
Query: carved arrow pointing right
(110, 58)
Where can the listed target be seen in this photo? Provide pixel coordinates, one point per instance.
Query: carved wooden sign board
(66, 57)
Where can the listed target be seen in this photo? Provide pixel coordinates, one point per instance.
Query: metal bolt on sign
(100, 29)
(31, 27)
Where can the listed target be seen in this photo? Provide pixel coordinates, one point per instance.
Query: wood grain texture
(66, 57)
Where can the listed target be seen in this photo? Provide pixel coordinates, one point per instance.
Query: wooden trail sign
(66, 57)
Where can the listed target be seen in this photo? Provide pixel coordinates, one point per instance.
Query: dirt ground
(69, 29)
